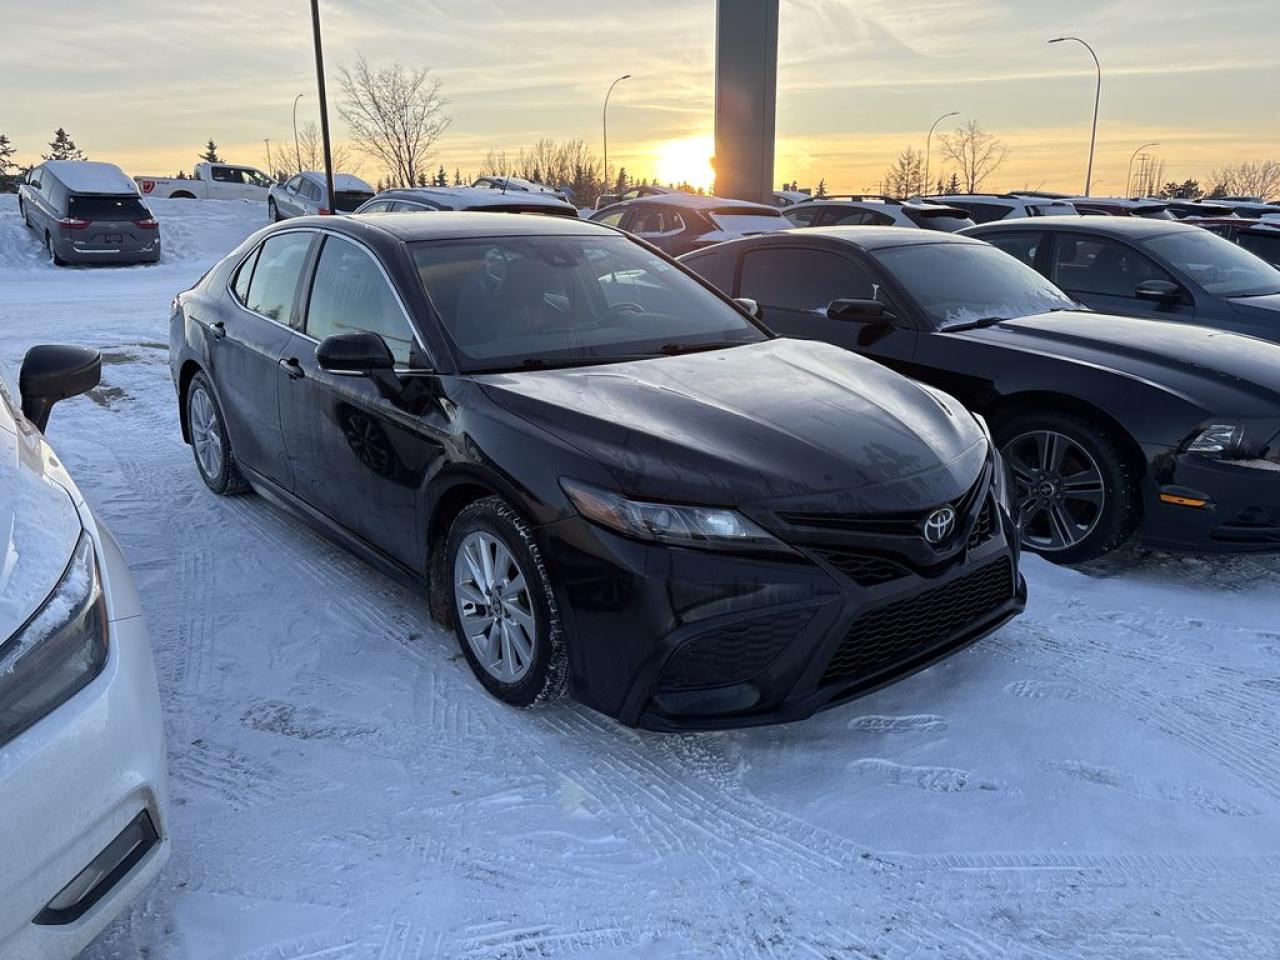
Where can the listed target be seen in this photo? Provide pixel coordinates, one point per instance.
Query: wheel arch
(182, 195)
(185, 375)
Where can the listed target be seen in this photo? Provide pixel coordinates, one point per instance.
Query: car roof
(459, 224)
(695, 201)
(473, 196)
(341, 181)
(863, 237)
(91, 176)
(1119, 226)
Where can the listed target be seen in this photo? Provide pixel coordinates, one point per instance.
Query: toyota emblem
(938, 525)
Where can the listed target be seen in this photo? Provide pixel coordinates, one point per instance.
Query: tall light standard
(605, 124)
(1097, 97)
(297, 154)
(928, 145)
(1128, 177)
(324, 106)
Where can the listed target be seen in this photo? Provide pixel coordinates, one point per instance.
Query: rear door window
(715, 266)
(1086, 264)
(855, 217)
(804, 280)
(1023, 246)
(350, 294)
(804, 216)
(275, 278)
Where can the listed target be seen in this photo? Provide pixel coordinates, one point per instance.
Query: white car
(209, 181)
(876, 211)
(83, 784)
(988, 207)
(516, 185)
(306, 195)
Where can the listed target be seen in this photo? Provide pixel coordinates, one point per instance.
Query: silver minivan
(84, 211)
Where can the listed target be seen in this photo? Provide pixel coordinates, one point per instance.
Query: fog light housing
(103, 872)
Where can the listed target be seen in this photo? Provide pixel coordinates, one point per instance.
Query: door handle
(292, 368)
(217, 329)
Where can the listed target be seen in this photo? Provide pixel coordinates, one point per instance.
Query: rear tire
(56, 260)
(273, 212)
(26, 217)
(503, 606)
(1075, 490)
(210, 443)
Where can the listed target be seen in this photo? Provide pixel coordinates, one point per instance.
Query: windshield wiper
(675, 349)
(973, 324)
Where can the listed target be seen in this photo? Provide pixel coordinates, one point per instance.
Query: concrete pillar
(746, 87)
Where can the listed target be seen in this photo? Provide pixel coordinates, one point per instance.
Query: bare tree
(976, 151)
(905, 177)
(554, 163)
(1259, 178)
(311, 153)
(395, 116)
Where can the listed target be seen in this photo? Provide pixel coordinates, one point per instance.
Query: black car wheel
(1074, 489)
(209, 441)
(504, 609)
(56, 260)
(273, 212)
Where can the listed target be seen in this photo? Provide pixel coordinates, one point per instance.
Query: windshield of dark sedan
(1216, 264)
(955, 283)
(508, 302)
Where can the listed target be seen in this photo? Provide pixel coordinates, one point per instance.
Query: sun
(686, 161)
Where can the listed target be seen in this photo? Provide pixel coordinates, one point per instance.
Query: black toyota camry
(1109, 425)
(609, 478)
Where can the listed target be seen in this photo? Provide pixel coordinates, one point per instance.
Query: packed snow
(1100, 779)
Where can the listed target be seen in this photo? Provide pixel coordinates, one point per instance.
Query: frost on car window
(961, 282)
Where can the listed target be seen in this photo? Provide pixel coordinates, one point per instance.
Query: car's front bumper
(73, 782)
(680, 639)
(1201, 504)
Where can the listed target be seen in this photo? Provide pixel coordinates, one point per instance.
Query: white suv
(986, 207)
(876, 211)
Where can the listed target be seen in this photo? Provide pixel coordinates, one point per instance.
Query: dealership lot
(1100, 778)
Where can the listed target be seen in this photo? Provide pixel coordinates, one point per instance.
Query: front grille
(733, 653)
(899, 631)
(864, 570)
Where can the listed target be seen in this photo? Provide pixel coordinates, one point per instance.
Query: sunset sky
(145, 82)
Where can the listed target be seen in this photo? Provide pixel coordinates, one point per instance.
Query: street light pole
(324, 105)
(297, 154)
(1097, 97)
(605, 124)
(928, 145)
(1128, 177)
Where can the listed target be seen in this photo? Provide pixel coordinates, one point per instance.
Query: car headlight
(59, 650)
(1000, 480)
(685, 526)
(1218, 440)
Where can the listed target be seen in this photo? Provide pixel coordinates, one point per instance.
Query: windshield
(957, 283)
(1216, 264)
(513, 302)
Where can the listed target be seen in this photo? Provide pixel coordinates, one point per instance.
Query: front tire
(503, 606)
(273, 212)
(1074, 488)
(210, 443)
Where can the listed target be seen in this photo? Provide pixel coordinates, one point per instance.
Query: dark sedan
(1148, 268)
(1108, 424)
(606, 476)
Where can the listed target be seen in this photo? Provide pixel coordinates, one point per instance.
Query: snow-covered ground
(1101, 779)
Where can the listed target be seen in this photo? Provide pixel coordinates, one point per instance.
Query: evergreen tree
(7, 178)
(62, 147)
(442, 178)
(941, 188)
(822, 188)
(620, 185)
(210, 154)
(953, 185)
(457, 176)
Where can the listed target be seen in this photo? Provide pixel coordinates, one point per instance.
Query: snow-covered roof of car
(453, 224)
(341, 181)
(91, 176)
(472, 197)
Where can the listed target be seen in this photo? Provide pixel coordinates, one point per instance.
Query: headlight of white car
(685, 526)
(59, 650)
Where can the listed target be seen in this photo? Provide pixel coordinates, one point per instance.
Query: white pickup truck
(210, 181)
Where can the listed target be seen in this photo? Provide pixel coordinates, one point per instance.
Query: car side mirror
(354, 354)
(1158, 291)
(749, 305)
(53, 372)
(857, 309)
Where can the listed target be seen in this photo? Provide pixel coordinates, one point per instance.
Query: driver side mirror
(354, 354)
(52, 372)
(749, 305)
(1158, 291)
(857, 309)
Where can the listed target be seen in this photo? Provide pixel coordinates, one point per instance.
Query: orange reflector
(1182, 501)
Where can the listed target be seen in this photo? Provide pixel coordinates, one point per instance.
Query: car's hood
(778, 419)
(1172, 354)
(1265, 309)
(39, 525)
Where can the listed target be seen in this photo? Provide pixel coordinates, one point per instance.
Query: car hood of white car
(39, 523)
